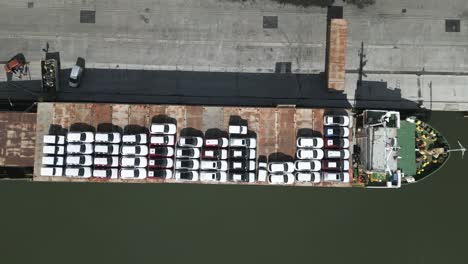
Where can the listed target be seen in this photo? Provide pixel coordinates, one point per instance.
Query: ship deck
(276, 129)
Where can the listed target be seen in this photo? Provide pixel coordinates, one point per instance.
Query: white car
(135, 174)
(309, 154)
(243, 177)
(51, 171)
(113, 137)
(80, 148)
(107, 149)
(280, 167)
(160, 173)
(309, 142)
(162, 151)
(54, 139)
(335, 165)
(83, 172)
(81, 160)
(53, 150)
(243, 142)
(335, 176)
(193, 153)
(242, 165)
(109, 161)
(262, 174)
(165, 140)
(52, 160)
(139, 162)
(336, 120)
(242, 153)
(214, 165)
(215, 153)
(337, 154)
(235, 129)
(219, 142)
(187, 175)
(138, 150)
(106, 173)
(135, 139)
(163, 129)
(189, 164)
(218, 176)
(281, 178)
(307, 165)
(308, 177)
(84, 137)
(194, 142)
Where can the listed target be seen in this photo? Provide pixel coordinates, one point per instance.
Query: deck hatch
(270, 21)
(452, 25)
(283, 67)
(88, 16)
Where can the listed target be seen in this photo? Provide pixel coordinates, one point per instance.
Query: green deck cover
(407, 141)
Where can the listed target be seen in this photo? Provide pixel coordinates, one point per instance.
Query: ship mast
(461, 149)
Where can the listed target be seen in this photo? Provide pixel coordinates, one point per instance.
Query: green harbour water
(422, 223)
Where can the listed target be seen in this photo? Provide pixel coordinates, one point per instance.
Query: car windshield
(136, 173)
(166, 128)
(137, 161)
(108, 173)
(187, 152)
(138, 138)
(109, 160)
(186, 175)
(186, 163)
(137, 149)
(337, 119)
(160, 150)
(82, 148)
(190, 141)
(110, 137)
(217, 176)
(82, 136)
(80, 172)
(82, 160)
(73, 80)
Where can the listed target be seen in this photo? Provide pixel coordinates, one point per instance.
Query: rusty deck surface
(276, 129)
(17, 139)
(336, 63)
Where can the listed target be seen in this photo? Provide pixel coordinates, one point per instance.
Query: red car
(336, 143)
(15, 63)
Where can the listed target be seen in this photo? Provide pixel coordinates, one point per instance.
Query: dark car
(333, 131)
(336, 143)
(161, 173)
(162, 151)
(161, 163)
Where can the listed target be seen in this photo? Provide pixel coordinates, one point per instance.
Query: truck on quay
(50, 72)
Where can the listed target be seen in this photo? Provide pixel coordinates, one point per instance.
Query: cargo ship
(289, 146)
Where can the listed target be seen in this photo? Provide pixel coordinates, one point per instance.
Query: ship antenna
(461, 149)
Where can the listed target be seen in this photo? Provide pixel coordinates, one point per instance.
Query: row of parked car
(317, 159)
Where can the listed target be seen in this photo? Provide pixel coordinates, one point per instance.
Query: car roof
(75, 70)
